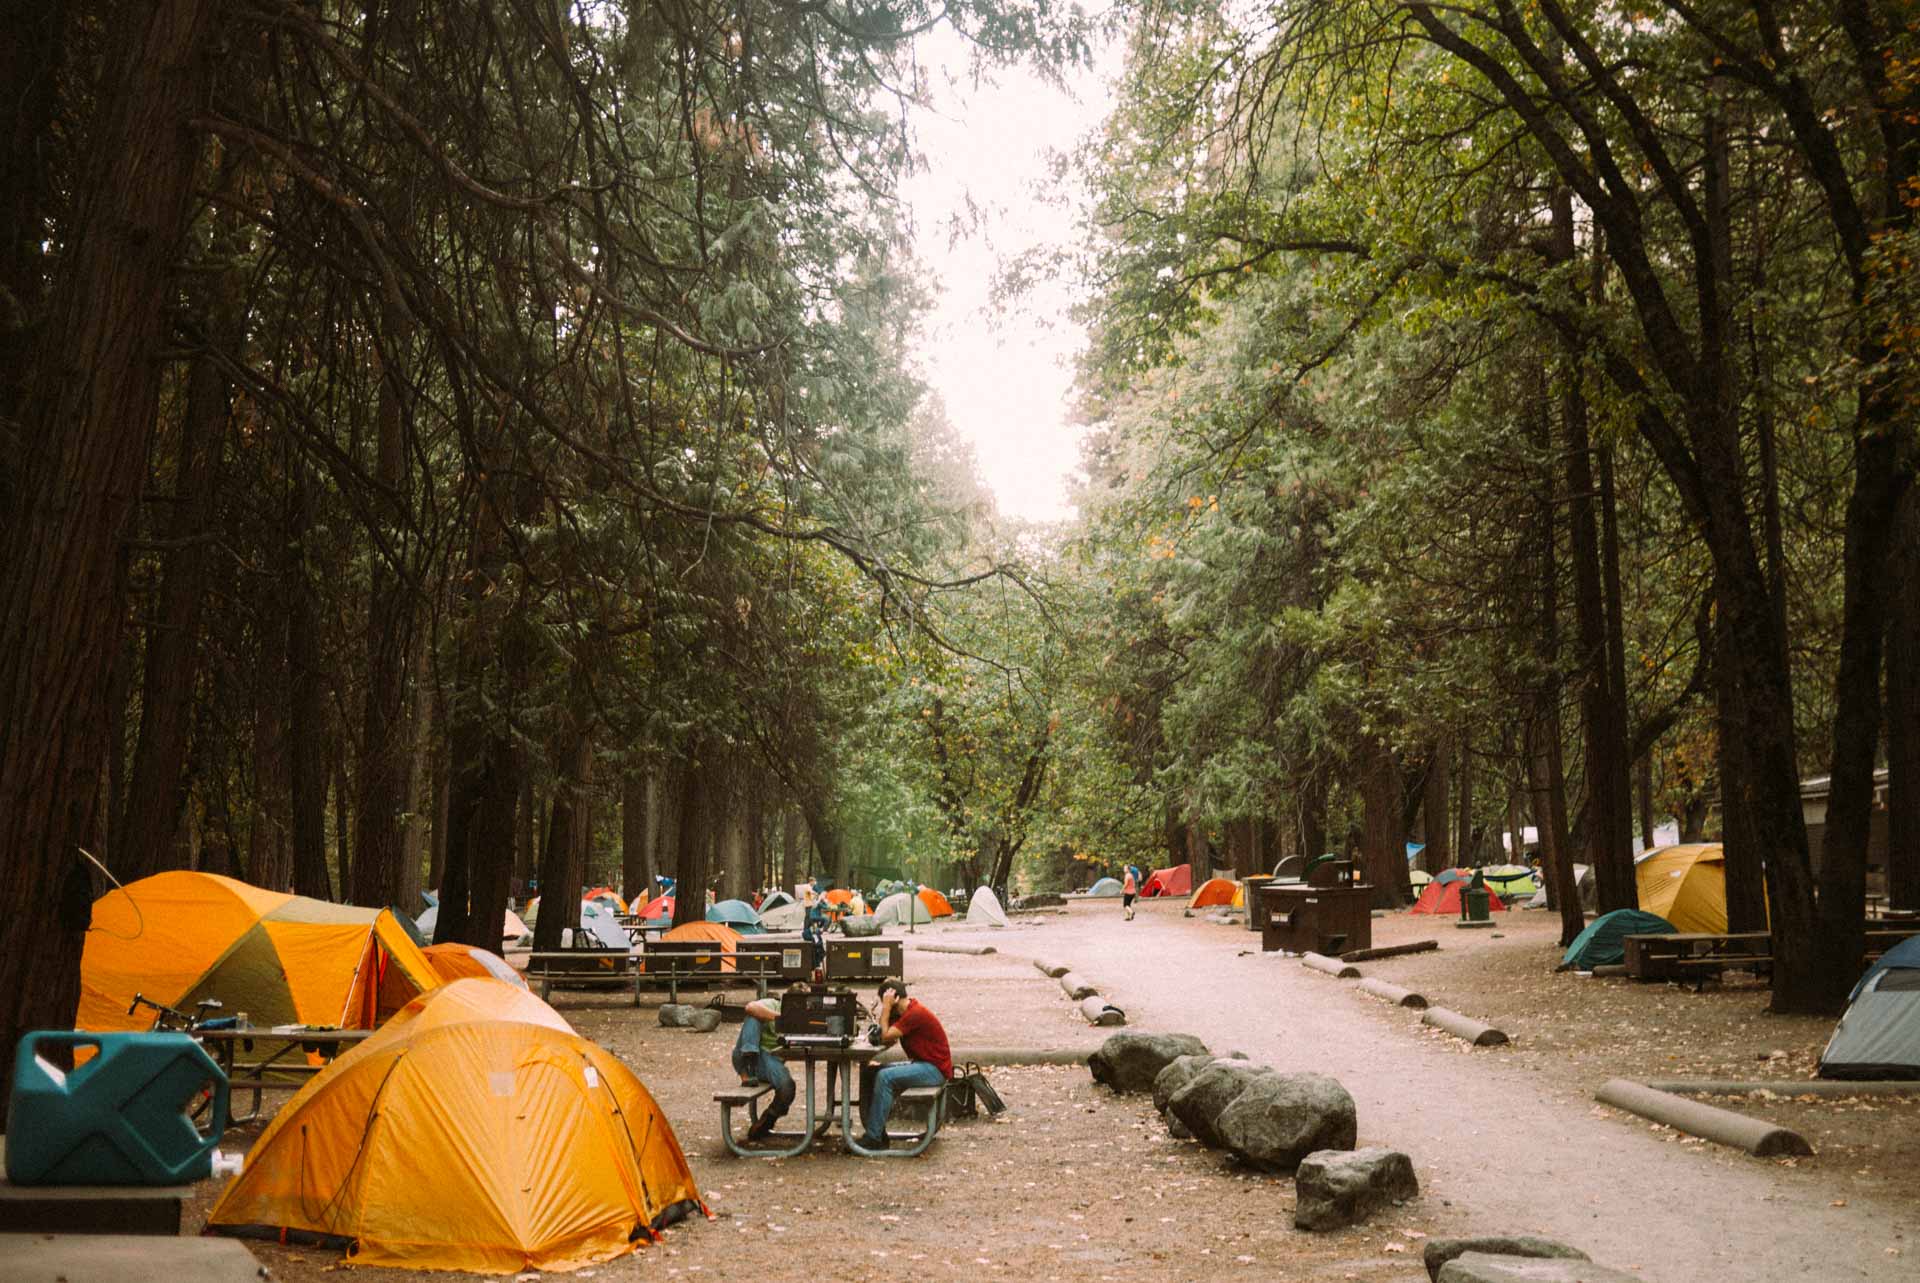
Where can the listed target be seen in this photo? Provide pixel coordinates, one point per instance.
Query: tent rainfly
(894, 909)
(461, 961)
(1686, 885)
(1105, 888)
(1443, 896)
(1177, 880)
(1213, 891)
(1879, 1036)
(180, 936)
(505, 1142)
(1600, 945)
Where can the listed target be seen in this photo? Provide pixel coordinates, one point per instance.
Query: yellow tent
(474, 1131)
(180, 936)
(1686, 885)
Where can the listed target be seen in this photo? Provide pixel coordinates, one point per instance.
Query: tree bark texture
(1384, 840)
(307, 687)
(1437, 818)
(89, 418)
(636, 834)
(560, 862)
(698, 789)
(1903, 712)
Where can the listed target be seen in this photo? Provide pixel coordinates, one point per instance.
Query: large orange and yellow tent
(474, 1131)
(459, 961)
(936, 903)
(180, 936)
(1686, 885)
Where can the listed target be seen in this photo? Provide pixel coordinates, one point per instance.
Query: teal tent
(1104, 887)
(737, 914)
(1600, 944)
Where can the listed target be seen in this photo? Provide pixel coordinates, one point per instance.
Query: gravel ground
(1077, 1185)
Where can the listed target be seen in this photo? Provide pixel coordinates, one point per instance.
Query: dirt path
(1495, 1135)
(1075, 1185)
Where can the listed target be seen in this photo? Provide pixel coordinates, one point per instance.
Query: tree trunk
(413, 850)
(1313, 815)
(89, 417)
(1903, 711)
(792, 847)
(1436, 818)
(146, 839)
(698, 785)
(1384, 841)
(636, 833)
(442, 762)
(1646, 801)
(306, 701)
(1464, 852)
(560, 862)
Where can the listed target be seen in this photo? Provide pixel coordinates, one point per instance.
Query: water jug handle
(222, 1092)
(32, 1041)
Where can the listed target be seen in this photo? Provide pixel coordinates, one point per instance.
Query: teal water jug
(121, 1118)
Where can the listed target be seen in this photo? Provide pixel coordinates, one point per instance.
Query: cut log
(1721, 1126)
(1389, 951)
(1099, 1011)
(1331, 966)
(1076, 987)
(1477, 1032)
(1393, 993)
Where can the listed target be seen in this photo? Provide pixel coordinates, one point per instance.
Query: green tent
(1600, 945)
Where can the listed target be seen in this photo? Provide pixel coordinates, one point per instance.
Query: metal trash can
(1250, 897)
(1476, 901)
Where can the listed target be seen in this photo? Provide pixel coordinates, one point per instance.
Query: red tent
(1444, 897)
(1175, 881)
(658, 908)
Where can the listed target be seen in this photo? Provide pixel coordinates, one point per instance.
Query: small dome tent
(1600, 944)
(938, 905)
(1213, 891)
(894, 910)
(1879, 1036)
(1105, 888)
(1686, 885)
(984, 906)
(1442, 895)
(1177, 880)
(505, 1142)
(460, 961)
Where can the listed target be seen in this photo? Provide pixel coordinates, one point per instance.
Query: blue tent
(1104, 887)
(1600, 944)
(737, 914)
(1879, 1037)
(1414, 849)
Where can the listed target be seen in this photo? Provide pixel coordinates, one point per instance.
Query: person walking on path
(1129, 892)
(929, 1060)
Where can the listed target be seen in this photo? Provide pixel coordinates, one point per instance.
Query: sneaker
(873, 1142)
(762, 1128)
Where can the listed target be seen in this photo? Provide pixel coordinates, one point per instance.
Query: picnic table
(1702, 955)
(845, 1063)
(277, 1059)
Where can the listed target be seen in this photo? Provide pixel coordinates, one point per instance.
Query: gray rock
(1177, 1129)
(1335, 1188)
(1130, 1062)
(675, 1015)
(860, 924)
(1441, 1250)
(1485, 1267)
(1040, 900)
(1178, 1073)
(706, 1020)
(1207, 1094)
(1281, 1118)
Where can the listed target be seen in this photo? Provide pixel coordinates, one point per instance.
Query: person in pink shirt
(1129, 892)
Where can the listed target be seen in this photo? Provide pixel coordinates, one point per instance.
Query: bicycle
(172, 1020)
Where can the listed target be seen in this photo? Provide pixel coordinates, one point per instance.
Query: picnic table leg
(636, 984)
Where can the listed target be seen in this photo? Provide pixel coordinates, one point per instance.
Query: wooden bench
(934, 1101)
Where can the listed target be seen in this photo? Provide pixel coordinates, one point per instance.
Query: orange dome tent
(180, 936)
(608, 894)
(1213, 891)
(708, 932)
(505, 1142)
(460, 961)
(936, 903)
(839, 895)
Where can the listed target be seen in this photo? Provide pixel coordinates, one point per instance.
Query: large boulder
(1281, 1118)
(1441, 1250)
(1130, 1062)
(1335, 1188)
(1485, 1267)
(860, 924)
(705, 1020)
(676, 1015)
(1178, 1073)
(1207, 1094)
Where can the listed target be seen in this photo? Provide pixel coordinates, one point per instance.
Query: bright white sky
(1005, 377)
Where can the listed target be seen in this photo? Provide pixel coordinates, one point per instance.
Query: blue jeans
(751, 1062)
(914, 1073)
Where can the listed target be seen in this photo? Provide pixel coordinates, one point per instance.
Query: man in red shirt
(929, 1061)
